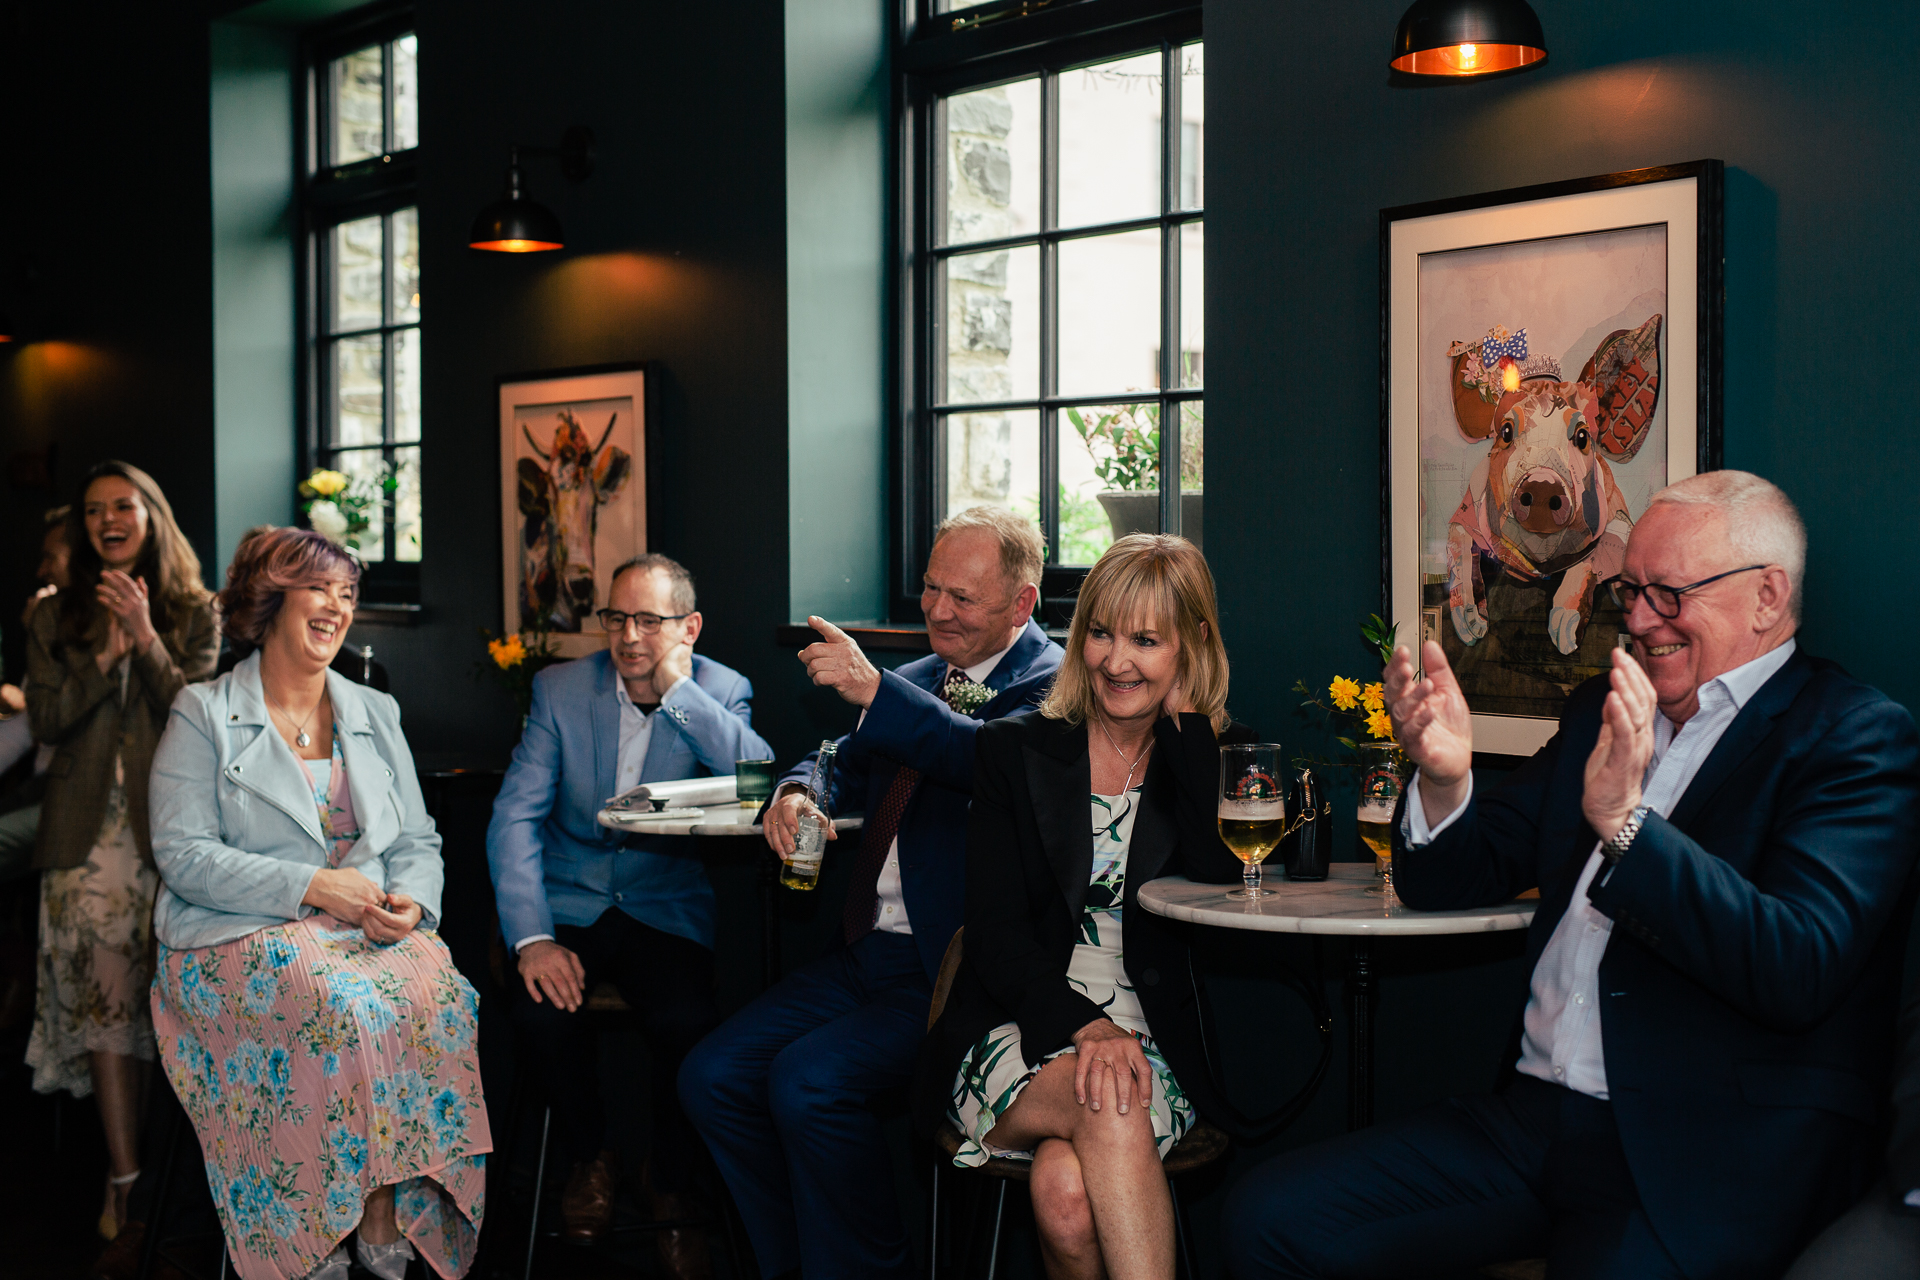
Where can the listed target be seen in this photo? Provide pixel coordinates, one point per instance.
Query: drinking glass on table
(1253, 808)
(1386, 772)
(753, 782)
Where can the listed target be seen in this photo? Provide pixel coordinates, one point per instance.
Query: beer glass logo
(1256, 784)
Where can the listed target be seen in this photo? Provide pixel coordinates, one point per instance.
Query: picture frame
(1550, 357)
(573, 495)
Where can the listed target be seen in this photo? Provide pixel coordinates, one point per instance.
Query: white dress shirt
(892, 914)
(636, 735)
(1562, 1040)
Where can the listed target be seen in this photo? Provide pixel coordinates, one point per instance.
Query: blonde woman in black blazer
(1072, 1035)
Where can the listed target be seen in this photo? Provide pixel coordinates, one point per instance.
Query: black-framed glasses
(615, 622)
(1664, 599)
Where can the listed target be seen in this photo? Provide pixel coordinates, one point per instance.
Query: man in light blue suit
(579, 903)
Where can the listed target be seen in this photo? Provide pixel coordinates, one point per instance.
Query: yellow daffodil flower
(507, 652)
(1374, 697)
(1379, 725)
(1345, 693)
(326, 483)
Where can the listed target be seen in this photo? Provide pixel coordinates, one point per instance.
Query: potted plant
(1125, 446)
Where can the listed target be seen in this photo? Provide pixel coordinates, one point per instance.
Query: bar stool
(605, 999)
(1203, 1145)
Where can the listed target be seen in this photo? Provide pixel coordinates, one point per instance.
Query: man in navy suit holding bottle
(1723, 833)
(780, 1090)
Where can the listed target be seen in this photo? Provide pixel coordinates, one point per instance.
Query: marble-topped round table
(1340, 904)
(733, 820)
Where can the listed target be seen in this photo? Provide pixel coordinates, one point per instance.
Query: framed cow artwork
(573, 496)
(1550, 359)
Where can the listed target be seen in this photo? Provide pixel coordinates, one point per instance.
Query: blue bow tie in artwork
(1498, 344)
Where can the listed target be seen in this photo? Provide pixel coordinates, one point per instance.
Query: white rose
(329, 521)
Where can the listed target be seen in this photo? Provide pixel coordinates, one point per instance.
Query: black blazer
(1747, 995)
(1029, 858)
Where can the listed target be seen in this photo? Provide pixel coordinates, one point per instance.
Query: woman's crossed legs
(1100, 1196)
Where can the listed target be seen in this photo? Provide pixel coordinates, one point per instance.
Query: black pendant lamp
(516, 223)
(1467, 38)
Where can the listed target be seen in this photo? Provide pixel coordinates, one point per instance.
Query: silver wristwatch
(1612, 850)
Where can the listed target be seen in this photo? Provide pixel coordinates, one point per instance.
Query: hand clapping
(1619, 758)
(1434, 727)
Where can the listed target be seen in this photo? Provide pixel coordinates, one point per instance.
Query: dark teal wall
(104, 248)
(1816, 125)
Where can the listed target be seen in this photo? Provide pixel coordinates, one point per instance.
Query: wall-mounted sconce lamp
(515, 223)
(1468, 38)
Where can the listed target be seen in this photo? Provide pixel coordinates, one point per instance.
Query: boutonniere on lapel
(968, 696)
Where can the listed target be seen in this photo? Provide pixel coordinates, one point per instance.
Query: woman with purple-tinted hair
(309, 1017)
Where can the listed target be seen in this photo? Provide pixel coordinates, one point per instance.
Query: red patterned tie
(863, 896)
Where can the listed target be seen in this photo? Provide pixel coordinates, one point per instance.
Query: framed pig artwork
(573, 496)
(1550, 359)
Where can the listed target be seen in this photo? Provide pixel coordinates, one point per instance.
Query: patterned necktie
(863, 896)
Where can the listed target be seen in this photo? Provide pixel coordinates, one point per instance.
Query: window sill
(373, 614)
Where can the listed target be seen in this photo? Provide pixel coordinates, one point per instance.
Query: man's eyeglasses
(648, 624)
(1664, 599)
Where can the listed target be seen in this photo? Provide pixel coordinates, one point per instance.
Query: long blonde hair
(1157, 580)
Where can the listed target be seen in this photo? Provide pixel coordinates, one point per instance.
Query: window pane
(406, 385)
(992, 149)
(406, 505)
(1193, 468)
(406, 93)
(406, 266)
(993, 459)
(359, 111)
(1110, 313)
(359, 391)
(1193, 115)
(1193, 305)
(365, 469)
(1110, 141)
(1109, 477)
(993, 326)
(356, 274)
(1193, 445)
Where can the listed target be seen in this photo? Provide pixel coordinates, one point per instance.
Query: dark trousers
(780, 1093)
(669, 982)
(1536, 1171)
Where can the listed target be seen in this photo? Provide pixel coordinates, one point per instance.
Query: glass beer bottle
(802, 869)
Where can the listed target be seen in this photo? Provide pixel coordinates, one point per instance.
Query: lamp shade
(1468, 38)
(515, 223)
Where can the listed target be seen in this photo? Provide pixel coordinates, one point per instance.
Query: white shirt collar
(1745, 680)
(626, 699)
(980, 670)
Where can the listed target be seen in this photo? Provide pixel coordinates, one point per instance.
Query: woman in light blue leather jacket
(310, 1020)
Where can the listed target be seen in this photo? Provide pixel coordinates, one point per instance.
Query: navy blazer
(1747, 995)
(909, 723)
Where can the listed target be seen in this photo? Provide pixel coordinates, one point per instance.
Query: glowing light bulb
(1469, 53)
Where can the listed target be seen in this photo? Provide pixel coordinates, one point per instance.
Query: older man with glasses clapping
(579, 903)
(1723, 834)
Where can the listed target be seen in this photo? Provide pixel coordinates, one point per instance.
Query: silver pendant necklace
(1123, 755)
(300, 737)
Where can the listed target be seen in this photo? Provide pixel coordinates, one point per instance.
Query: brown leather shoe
(121, 1258)
(683, 1250)
(586, 1207)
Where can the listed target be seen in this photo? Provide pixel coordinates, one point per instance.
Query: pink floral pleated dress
(317, 1066)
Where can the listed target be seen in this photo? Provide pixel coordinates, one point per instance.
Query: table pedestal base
(1360, 1034)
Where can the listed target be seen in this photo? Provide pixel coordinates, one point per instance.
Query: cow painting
(1542, 500)
(560, 492)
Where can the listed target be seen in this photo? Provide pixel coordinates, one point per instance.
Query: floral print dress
(995, 1071)
(96, 952)
(318, 1066)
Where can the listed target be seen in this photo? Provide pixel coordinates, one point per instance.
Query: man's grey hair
(1763, 526)
(680, 582)
(1022, 551)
